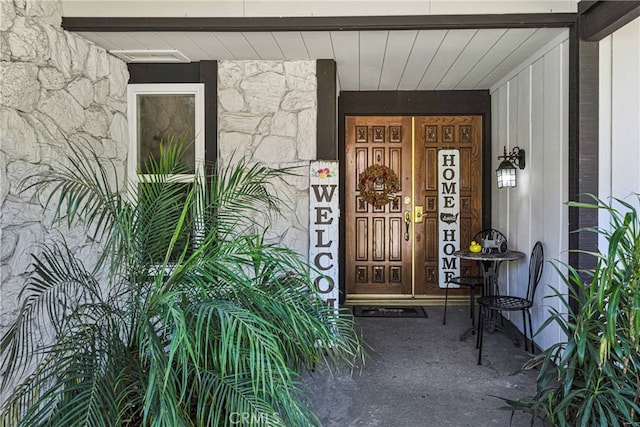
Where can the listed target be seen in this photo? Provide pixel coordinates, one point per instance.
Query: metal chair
(501, 303)
(471, 282)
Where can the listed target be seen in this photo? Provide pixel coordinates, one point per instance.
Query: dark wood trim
(405, 103)
(196, 72)
(602, 18)
(583, 149)
(342, 250)
(318, 23)
(209, 76)
(326, 132)
(418, 103)
(585, 5)
(488, 174)
(164, 73)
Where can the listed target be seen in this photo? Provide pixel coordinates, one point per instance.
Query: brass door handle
(407, 223)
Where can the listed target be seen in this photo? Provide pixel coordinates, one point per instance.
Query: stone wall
(267, 112)
(55, 87)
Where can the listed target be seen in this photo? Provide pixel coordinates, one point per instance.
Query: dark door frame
(413, 103)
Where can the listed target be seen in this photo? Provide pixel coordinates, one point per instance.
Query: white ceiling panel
(101, 39)
(209, 43)
(318, 44)
(346, 48)
(448, 51)
(373, 48)
(237, 45)
(399, 45)
(149, 40)
(473, 52)
(265, 44)
(365, 60)
(424, 48)
(505, 46)
(184, 45)
(291, 44)
(126, 41)
(529, 46)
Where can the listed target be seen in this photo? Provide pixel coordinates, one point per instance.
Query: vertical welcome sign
(449, 212)
(323, 229)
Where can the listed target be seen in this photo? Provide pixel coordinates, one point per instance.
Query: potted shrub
(186, 318)
(593, 378)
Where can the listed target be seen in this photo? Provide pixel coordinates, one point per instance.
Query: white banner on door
(448, 214)
(323, 229)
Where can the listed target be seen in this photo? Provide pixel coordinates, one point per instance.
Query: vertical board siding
(530, 110)
(625, 110)
(605, 188)
(619, 117)
(552, 146)
(523, 209)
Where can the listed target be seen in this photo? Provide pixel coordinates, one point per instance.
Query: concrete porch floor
(419, 373)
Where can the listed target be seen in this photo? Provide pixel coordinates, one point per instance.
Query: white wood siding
(530, 110)
(619, 125)
(246, 8)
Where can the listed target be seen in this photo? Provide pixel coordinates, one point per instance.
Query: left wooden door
(378, 246)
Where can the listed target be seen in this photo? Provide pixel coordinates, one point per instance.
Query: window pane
(161, 117)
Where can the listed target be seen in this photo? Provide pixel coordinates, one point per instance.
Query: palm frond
(186, 318)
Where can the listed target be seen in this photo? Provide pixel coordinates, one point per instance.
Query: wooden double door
(403, 249)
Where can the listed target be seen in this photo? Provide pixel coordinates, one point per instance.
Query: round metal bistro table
(489, 263)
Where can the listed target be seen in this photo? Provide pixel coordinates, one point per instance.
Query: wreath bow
(376, 176)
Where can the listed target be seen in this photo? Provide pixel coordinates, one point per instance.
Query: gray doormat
(381, 311)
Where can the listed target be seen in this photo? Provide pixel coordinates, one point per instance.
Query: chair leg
(472, 294)
(531, 332)
(524, 327)
(480, 334)
(479, 324)
(446, 299)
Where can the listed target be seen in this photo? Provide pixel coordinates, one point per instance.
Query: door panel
(432, 134)
(379, 258)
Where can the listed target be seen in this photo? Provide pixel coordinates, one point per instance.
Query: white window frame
(135, 90)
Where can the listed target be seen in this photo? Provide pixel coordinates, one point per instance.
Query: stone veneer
(55, 87)
(267, 112)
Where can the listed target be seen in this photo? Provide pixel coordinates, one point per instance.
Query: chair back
(535, 269)
(489, 233)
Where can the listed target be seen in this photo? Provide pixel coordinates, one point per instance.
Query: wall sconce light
(506, 172)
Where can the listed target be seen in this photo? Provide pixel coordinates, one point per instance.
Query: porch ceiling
(462, 59)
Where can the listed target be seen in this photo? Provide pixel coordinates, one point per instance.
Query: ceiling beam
(319, 23)
(602, 18)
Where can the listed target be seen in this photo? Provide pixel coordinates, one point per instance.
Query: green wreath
(376, 176)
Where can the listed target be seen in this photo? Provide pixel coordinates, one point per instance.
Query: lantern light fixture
(506, 172)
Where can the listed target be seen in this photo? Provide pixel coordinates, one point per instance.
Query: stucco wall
(56, 87)
(530, 110)
(267, 113)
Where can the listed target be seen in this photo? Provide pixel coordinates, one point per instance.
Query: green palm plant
(187, 317)
(593, 378)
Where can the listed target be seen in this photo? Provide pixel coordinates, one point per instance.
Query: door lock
(417, 210)
(407, 223)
